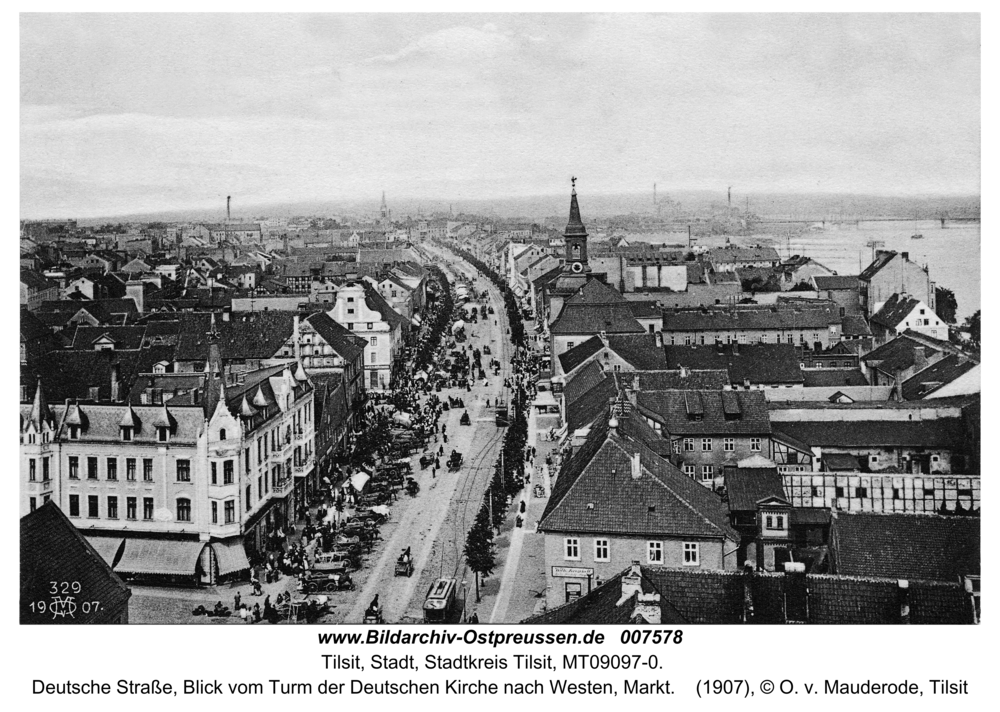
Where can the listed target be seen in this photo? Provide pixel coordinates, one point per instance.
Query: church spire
(575, 236)
(575, 225)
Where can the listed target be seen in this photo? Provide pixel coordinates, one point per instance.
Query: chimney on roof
(796, 593)
(648, 606)
(631, 583)
(903, 596)
(296, 338)
(685, 372)
(636, 466)
(906, 255)
(114, 382)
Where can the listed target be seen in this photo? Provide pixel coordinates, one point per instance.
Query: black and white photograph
(526, 318)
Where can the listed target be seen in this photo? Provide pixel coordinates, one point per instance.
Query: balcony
(304, 469)
(282, 487)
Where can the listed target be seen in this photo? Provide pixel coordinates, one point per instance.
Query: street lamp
(465, 588)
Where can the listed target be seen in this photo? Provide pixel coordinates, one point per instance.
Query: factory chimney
(228, 198)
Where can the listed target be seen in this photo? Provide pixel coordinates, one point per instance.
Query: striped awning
(231, 556)
(107, 546)
(160, 556)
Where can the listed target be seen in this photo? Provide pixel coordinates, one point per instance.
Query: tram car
(440, 601)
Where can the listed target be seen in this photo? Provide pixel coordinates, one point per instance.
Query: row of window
(33, 469)
(703, 339)
(111, 469)
(707, 471)
(654, 551)
(182, 508)
(728, 444)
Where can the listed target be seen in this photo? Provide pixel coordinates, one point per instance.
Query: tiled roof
(936, 376)
(248, 335)
(596, 292)
(375, 302)
(582, 381)
(714, 597)
(580, 353)
(820, 377)
(882, 258)
(676, 411)
(840, 462)
(106, 311)
(898, 354)
(53, 550)
(639, 350)
(601, 495)
(747, 486)
(906, 546)
(666, 380)
(742, 254)
(124, 337)
(835, 281)
(645, 309)
(347, 345)
(855, 325)
(746, 317)
(36, 281)
(895, 310)
(943, 432)
(756, 363)
(587, 407)
(580, 318)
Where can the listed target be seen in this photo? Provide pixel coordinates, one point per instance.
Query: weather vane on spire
(573, 181)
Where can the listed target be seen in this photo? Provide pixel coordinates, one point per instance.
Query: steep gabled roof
(598, 493)
(895, 310)
(883, 258)
(937, 376)
(53, 550)
(580, 318)
(580, 353)
(595, 291)
(347, 345)
(747, 486)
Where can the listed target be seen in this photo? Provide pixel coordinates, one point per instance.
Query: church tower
(576, 238)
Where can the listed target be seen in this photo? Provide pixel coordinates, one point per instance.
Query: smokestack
(228, 198)
(796, 592)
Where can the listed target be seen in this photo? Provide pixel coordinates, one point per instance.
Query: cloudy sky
(133, 113)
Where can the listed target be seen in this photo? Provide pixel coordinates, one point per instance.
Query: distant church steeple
(384, 209)
(575, 235)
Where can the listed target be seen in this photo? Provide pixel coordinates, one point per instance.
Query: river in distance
(952, 253)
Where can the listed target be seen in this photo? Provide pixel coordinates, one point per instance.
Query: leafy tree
(802, 287)
(947, 305)
(973, 327)
(479, 553)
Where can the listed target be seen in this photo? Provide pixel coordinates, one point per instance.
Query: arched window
(183, 510)
(576, 250)
(222, 434)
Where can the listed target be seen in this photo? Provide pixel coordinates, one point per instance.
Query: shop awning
(359, 480)
(160, 556)
(231, 556)
(107, 546)
(544, 399)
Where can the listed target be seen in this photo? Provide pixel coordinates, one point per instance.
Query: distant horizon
(441, 204)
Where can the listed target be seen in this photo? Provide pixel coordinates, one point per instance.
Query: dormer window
(74, 432)
(127, 433)
(162, 434)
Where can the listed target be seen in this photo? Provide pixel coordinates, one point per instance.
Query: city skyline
(131, 114)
